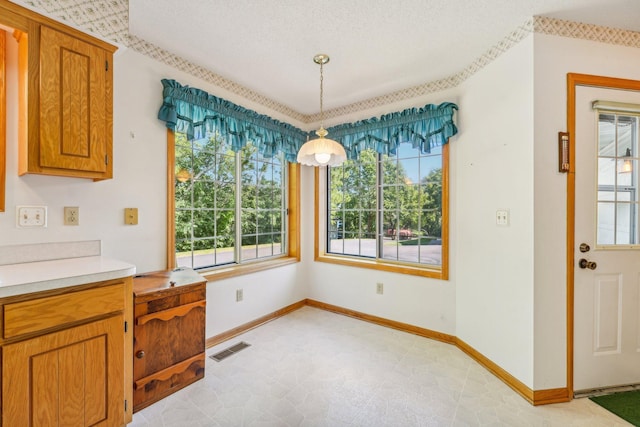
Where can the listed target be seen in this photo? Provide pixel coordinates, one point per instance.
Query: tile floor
(315, 368)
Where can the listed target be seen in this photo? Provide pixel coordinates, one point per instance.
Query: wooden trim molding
(405, 327)
(231, 333)
(294, 211)
(573, 81)
(171, 200)
(3, 118)
(537, 397)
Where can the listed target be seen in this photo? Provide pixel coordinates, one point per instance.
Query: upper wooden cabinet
(75, 104)
(65, 96)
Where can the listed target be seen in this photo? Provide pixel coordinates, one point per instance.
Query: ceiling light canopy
(321, 151)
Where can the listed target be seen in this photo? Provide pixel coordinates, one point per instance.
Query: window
(617, 209)
(229, 208)
(389, 211)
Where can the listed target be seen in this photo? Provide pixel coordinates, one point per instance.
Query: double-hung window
(230, 207)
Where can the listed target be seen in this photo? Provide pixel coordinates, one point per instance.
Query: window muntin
(617, 199)
(388, 208)
(222, 220)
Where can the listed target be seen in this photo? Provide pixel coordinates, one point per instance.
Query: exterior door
(607, 280)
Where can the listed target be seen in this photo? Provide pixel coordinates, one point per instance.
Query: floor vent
(218, 357)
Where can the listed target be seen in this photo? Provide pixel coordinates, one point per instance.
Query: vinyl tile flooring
(316, 368)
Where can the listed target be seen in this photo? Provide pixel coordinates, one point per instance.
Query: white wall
(554, 58)
(494, 170)
(140, 159)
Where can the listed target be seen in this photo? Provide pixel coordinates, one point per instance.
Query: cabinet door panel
(95, 380)
(167, 342)
(70, 386)
(45, 371)
(75, 373)
(73, 96)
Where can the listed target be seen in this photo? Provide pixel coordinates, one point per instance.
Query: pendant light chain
(321, 94)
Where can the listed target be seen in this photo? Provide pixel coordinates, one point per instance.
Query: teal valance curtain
(198, 114)
(426, 127)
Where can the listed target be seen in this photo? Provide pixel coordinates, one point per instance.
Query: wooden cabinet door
(75, 99)
(74, 377)
(168, 337)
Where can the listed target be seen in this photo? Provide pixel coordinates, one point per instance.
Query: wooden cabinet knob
(140, 354)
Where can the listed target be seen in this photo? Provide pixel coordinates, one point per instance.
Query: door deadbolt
(584, 247)
(583, 263)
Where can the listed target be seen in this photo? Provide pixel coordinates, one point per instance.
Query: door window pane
(617, 204)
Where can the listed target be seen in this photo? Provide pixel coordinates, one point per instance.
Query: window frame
(320, 233)
(231, 270)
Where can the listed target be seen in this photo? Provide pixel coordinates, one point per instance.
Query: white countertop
(28, 277)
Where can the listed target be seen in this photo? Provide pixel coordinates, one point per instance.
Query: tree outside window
(388, 207)
(230, 207)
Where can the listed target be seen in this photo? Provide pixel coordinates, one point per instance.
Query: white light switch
(31, 216)
(502, 217)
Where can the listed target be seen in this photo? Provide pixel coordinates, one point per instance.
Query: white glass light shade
(321, 152)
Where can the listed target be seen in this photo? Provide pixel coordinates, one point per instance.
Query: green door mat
(626, 405)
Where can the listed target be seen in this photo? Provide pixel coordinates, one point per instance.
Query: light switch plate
(31, 216)
(502, 217)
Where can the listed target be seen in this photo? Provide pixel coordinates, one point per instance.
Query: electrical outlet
(239, 295)
(31, 216)
(71, 215)
(379, 288)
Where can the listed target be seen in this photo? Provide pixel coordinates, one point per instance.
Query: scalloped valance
(196, 113)
(426, 127)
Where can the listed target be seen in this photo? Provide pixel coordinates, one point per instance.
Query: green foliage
(405, 205)
(205, 215)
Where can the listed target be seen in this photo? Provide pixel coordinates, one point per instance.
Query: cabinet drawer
(44, 313)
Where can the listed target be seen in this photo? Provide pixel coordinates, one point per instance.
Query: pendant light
(321, 151)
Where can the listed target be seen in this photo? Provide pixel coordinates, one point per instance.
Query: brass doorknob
(140, 354)
(584, 247)
(583, 263)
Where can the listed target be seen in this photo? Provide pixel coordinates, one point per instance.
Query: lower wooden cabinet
(63, 367)
(169, 334)
(67, 378)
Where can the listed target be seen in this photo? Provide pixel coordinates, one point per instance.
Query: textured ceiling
(381, 51)
(376, 46)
